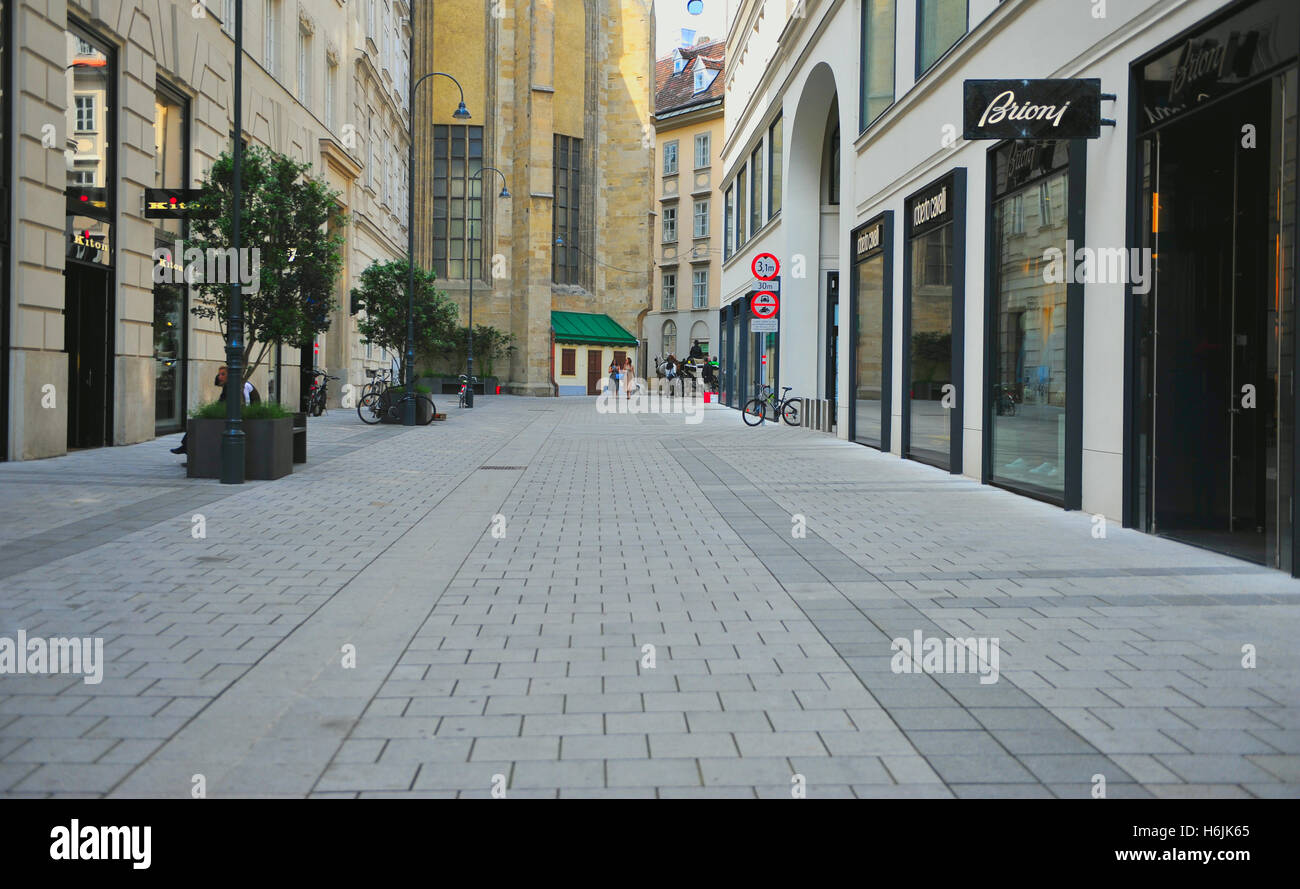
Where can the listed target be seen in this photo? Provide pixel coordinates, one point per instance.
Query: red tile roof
(673, 92)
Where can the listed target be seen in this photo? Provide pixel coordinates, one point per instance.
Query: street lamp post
(469, 360)
(461, 113)
(232, 440)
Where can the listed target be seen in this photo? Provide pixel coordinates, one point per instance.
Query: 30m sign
(1032, 109)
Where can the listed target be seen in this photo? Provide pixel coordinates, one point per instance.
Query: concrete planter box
(451, 385)
(203, 448)
(268, 448)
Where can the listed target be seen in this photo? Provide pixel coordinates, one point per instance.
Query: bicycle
(757, 409)
(379, 382)
(375, 406)
(464, 388)
(317, 394)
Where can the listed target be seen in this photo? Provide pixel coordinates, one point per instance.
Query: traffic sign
(765, 267)
(764, 304)
(763, 325)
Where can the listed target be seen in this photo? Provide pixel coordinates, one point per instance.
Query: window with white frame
(702, 149)
(371, 9)
(85, 114)
(228, 16)
(669, 291)
(670, 337)
(331, 72)
(700, 289)
(271, 18)
(728, 215)
(304, 67)
(670, 158)
(670, 224)
(702, 218)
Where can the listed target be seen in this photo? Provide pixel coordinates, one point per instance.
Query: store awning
(589, 329)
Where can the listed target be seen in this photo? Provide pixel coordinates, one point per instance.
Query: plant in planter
(381, 298)
(292, 230)
(268, 440)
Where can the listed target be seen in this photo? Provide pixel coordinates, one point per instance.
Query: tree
(292, 224)
(489, 345)
(382, 295)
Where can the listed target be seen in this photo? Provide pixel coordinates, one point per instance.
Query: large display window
(872, 320)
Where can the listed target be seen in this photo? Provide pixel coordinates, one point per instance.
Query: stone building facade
(688, 134)
(560, 97)
(123, 96)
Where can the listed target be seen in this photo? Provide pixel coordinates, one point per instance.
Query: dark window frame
(922, 69)
(567, 266)
(442, 242)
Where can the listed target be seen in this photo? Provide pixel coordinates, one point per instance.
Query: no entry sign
(764, 304)
(765, 267)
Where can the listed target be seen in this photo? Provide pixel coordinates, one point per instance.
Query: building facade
(1103, 322)
(121, 96)
(559, 93)
(688, 134)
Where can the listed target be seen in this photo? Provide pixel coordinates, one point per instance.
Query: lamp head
(461, 113)
(505, 192)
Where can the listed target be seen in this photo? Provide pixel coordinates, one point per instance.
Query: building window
(942, 23)
(83, 176)
(833, 169)
(774, 162)
(564, 219)
(670, 224)
(568, 362)
(700, 289)
(702, 148)
(272, 19)
(756, 184)
(370, 19)
(1045, 190)
(331, 72)
(702, 218)
(169, 126)
(876, 91)
(670, 158)
(228, 16)
(670, 291)
(670, 337)
(457, 155)
(85, 114)
(304, 68)
(740, 208)
(728, 213)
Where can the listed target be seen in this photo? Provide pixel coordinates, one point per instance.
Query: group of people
(621, 375)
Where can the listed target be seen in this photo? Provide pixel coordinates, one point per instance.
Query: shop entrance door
(86, 339)
(1218, 342)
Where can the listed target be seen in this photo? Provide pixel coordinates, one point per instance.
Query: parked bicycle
(768, 407)
(464, 388)
(391, 403)
(317, 394)
(380, 380)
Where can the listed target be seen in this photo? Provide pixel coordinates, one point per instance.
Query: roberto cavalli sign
(1032, 109)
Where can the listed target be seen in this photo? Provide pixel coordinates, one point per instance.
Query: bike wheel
(790, 412)
(369, 409)
(754, 412)
(432, 410)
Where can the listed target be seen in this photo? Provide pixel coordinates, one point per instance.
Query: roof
(674, 92)
(589, 329)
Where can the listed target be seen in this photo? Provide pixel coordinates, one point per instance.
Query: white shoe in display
(1043, 469)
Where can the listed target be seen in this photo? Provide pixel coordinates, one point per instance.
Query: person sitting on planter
(251, 396)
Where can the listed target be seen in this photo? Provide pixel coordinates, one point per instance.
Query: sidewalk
(497, 579)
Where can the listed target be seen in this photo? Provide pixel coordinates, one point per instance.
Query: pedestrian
(251, 396)
(627, 375)
(612, 373)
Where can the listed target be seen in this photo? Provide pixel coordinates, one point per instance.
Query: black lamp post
(232, 439)
(469, 361)
(461, 113)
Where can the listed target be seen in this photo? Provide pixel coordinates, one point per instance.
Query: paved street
(497, 579)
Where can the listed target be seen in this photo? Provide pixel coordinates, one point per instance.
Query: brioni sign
(1032, 109)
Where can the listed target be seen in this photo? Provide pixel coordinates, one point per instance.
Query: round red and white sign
(764, 304)
(765, 266)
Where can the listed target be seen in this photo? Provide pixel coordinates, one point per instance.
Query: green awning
(589, 329)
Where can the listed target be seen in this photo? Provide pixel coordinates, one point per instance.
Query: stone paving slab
(623, 613)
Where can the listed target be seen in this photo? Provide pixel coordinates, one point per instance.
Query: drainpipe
(555, 387)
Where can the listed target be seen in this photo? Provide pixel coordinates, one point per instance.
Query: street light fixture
(232, 439)
(469, 361)
(461, 113)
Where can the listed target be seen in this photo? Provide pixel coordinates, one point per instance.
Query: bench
(300, 438)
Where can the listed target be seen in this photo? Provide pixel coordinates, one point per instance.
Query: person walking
(627, 375)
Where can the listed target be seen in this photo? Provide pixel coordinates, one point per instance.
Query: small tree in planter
(299, 258)
(268, 451)
(490, 344)
(382, 296)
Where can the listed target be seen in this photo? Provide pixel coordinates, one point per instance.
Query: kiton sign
(1032, 109)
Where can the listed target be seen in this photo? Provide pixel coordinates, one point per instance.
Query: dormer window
(679, 63)
(703, 77)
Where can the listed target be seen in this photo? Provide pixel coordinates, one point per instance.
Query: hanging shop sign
(170, 203)
(1032, 109)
